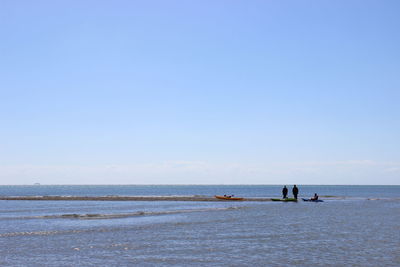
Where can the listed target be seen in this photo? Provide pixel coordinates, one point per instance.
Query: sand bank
(127, 198)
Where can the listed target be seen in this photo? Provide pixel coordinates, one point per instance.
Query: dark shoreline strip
(128, 198)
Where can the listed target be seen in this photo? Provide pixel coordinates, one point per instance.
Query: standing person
(295, 191)
(284, 192)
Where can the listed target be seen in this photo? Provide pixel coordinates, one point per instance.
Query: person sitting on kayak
(315, 197)
(284, 192)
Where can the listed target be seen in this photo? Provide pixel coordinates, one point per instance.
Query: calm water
(353, 231)
(206, 190)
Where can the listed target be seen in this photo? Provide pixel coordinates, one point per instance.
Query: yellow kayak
(229, 198)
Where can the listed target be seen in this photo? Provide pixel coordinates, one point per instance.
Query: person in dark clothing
(315, 197)
(295, 191)
(284, 191)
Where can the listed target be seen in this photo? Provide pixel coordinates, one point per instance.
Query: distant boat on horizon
(36, 184)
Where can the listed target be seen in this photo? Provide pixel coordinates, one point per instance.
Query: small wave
(386, 199)
(89, 216)
(39, 233)
(140, 213)
(100, 216)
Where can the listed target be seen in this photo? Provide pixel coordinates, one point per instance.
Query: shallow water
(347, 232)
(199, 190)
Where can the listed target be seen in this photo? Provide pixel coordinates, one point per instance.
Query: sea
(354, 226)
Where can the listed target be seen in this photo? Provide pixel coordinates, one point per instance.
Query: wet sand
(155, 198)
(128, 198)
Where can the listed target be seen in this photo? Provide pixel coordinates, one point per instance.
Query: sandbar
(127, 198)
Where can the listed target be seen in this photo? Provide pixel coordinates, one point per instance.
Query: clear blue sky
(197, 92)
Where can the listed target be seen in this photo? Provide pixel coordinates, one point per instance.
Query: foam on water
(134, 214)
(92, 216)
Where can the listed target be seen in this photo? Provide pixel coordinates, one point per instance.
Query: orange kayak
(229, 198)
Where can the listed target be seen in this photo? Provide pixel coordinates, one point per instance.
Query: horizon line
(40, 184)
